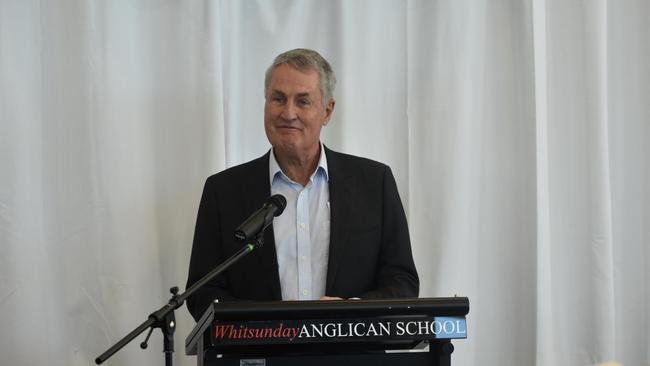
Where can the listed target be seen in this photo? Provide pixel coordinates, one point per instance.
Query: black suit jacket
(370, 251)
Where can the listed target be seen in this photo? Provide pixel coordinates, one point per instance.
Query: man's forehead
(286, 78)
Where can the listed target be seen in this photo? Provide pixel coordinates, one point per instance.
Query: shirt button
(303, 257)
(302, 225)
(305, 292)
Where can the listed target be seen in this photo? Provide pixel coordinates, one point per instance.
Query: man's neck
(299, 168)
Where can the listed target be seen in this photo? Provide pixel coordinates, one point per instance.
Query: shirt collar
(274, 167)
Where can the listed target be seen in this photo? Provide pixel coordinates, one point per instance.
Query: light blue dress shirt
(302, 232)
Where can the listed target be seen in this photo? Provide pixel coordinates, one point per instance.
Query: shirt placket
(303, 239)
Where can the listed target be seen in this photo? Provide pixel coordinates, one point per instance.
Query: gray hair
(305, 59)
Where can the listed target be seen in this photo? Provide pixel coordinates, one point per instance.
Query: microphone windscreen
(278, 201)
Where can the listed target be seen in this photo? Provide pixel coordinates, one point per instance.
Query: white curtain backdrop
(517, 131)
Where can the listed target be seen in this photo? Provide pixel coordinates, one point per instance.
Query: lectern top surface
(440, 306)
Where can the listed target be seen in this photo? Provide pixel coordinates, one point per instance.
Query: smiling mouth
(288, 128)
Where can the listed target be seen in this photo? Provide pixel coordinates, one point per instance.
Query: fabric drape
(517, 132)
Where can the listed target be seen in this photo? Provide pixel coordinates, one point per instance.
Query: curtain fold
(517, 132)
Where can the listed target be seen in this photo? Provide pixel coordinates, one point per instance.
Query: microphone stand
(164, 319)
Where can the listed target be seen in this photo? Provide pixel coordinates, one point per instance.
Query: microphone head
(279, 202)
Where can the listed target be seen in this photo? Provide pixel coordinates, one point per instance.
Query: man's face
(294, 113)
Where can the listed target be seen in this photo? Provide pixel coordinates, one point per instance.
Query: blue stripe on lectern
(449, 327)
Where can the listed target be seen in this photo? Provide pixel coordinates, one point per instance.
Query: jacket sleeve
(207, 253)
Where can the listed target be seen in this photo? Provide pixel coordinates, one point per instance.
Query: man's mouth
(286, 127)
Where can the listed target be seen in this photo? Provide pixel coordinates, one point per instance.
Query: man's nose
(288, 111)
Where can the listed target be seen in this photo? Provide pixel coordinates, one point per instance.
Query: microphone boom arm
(164, 317)
(250, 233)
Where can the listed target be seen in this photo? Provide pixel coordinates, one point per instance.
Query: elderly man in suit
(343, 233)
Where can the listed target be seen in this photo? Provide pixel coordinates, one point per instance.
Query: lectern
(348, 332)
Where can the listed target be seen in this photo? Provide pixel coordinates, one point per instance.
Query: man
(343, 233)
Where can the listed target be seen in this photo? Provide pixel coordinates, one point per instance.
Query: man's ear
(329, 108)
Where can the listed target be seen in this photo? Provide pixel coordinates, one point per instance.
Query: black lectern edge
(263, 310)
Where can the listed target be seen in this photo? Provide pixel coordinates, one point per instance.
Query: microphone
(260, 219)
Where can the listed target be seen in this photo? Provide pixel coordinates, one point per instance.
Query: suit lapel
(341, 186)
(258, 190)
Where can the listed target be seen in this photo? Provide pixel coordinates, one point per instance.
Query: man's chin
(290, 149)
(287, 147)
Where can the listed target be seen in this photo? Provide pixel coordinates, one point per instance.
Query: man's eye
(278, 99)
(304, 102)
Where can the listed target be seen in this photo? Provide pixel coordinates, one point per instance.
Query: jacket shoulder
(240, 173)
(352, 163)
